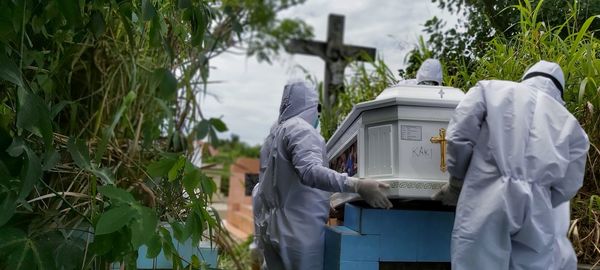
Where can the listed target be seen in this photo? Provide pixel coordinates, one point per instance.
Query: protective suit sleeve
(565, 189)
(306, 149)
(463, 131)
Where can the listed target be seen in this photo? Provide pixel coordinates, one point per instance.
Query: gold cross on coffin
(442, 141)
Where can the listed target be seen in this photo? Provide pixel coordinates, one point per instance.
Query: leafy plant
(366, 82)
(480, 21)
(99, 106)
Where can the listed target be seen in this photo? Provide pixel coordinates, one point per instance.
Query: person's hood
(547, 77)
(299, 99)
(430, 70)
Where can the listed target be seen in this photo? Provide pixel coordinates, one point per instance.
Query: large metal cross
(335, 54)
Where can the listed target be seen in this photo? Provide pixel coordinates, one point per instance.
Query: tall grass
(365, 83)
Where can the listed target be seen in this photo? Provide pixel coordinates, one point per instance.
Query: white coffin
(390, 137)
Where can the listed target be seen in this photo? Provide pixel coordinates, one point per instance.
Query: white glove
(449, 192)
(370, 190)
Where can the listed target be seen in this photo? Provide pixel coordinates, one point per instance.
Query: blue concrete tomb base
(372, 238)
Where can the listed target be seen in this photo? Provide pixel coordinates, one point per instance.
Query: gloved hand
(449, 192)
(370, 190)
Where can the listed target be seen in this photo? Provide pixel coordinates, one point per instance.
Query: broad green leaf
(213, 138)
(9, 71)
(199, 22)
(167, 87)
(22, 253)
(174, 171)
(9, 237)
(167, 243)
(33, 115)
(218, 124)
(148, 11)
(208, 185)
(179, 232)
(50, 159)
(8, 204)
(68, 252)
(143, 225)
(97, 24)
(104, 174)
(195, 226)
(191, 180)
(21, 258)
(154, 33)
(161, 168)
(154, 246)
(116, 194)
(23, 203)
(114, 219)
(5, 23)
(16, 148)
(31, 174)
(195, 261)
(71, 10)
(202, 129)
(56, 108)
(79, 153)
(102, 244)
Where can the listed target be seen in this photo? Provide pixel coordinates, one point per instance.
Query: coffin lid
(402, 95)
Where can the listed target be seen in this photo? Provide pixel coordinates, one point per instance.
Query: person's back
(520, 153)
(291, 201)
(527, 132)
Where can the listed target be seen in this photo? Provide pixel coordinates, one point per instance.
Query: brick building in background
(243, 177)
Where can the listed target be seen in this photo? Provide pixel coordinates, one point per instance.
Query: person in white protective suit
(429, 73)
(517, 153)
(291, 200)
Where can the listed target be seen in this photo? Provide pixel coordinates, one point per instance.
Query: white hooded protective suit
(564, 253)
(520, 153)
(291, 201)
(430, 70)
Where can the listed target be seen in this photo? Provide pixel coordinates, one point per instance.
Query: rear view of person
(291, 200)
(518, 154)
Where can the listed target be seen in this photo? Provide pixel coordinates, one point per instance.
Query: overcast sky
(250, 92)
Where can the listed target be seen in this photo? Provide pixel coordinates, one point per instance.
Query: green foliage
(99, 106)
(366, 82)
(483, 20)
(242, 250)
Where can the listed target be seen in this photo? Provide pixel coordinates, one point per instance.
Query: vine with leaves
(99, 109)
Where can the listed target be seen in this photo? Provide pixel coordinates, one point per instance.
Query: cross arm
(309, 47)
